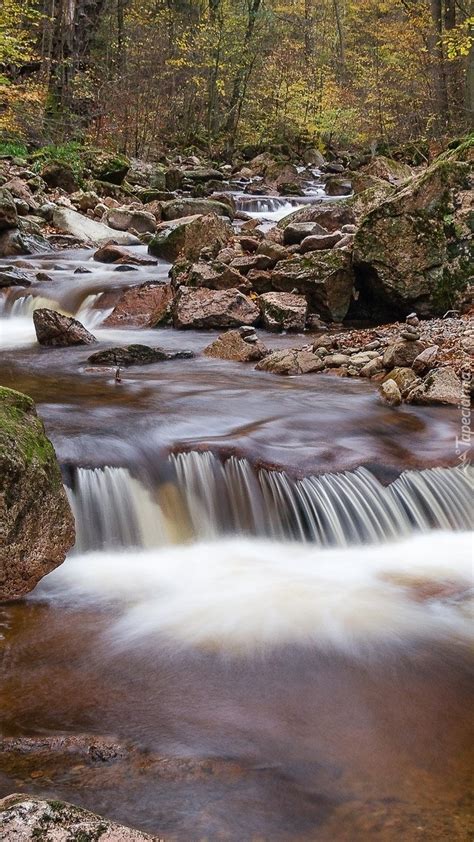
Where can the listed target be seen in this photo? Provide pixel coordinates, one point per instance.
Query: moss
(22, 430)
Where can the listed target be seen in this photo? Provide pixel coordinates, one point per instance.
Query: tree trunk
(240, 80)
(438, 65)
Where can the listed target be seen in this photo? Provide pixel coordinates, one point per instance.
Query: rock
(410, 335)
(194, 308)
(59, 174)
(110, 253)
(125, 219)
(29, 819)
(20, 190)
(324, 278)
(440, 386)
(412, 251)
(329, 215)
(173, 178)
(256, 261)
(283, 311)
(178, 208)
(402, 353)
(202, 174)
(146, 305)
(314, 157)
(16, 241)
(395, 172)
(36, 523)
(87, 230)
(404, 377)
(188, 235)
(336, 360)
(391, 393)
(412, 319)
(10, 276)
(136, 355)
(372, 368)
(58, 331)
(260, 280)
(296, 232)
(361, 358)
(214, 275)
(8, 211)
(274, 251)
(338, 186)
(233, 345)
(426, 359)
(320, 242)
(290, 361)
(85, 200)
(106, 166)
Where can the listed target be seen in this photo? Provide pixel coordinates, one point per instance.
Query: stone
(372, 368)
(173, 178)
(58, 331)
(324, 278)
(440, 386)
(404, 377)
(124, 219)
(146, 305)
(36, 523)
(391, 393)
(363, 357)
(106, 166)
(336, 360)
(85, 200)
(260, 280)
(186, 237)
(395, 172)
(412, 319)
(320, 242)
(256, 261)
(213, 275)
(88, 230)
(237, 346)
(177, 208)
(196, 308)
(274, 251)
(338, 186)
(10, 276)
(331, 216)
(16, 241)
(136, 355)
(59, 174)
(283, 311)
(8, 211)
(291, 361)
(249, 244)
(410, 335)
(314, 157)
(402, 353)
(111, 253)
(27, 818)
(413, 251)
(296, 232)
(203, 174)
(20, 190)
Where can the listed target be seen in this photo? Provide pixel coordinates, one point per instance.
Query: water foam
(242, 596)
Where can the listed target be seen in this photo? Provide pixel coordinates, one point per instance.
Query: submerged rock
(28, 818)
(237, 345)
(58, 331)
(136, 355)
(194, 308)
(283, 311)
(36, 523)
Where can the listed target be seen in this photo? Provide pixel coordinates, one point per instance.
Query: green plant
(13, 149)
(65, 153)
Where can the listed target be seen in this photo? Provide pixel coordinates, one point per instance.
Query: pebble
(411, 337)
(413, 320)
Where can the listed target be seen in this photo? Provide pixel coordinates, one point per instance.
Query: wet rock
(402, 353)
(8, 211)
(179, 208)
(324, 278)
(59, 174)
(391, 393)
(440, 386)
(214, 275)
(10, 276)
(136, 355)
(405, 378)
(28, 818)
(187, 236)
(88, 230)
(195, 308)
(372, 368)
(320, 242)
(291, 361)
(125, 219)
(15, 241)
(111, 253)
(238, 346)
(296, 232)
(146, 305)
(36, 523)
(58, 331)
(283, 311)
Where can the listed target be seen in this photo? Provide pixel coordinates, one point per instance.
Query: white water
(16, 322)
(243, 596)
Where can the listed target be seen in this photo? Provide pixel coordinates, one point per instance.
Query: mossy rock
(36, 522)
(106, 166)
(325, 278)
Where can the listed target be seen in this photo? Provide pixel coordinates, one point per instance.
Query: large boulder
(177, 208)
(146, 305)
(330, 216)
(324, 278)
(36, 524)
(208, 308)
(213, 275)
(106, 166)
(413, 251)
(16, 241)
(440, 386)
(241, 345)
(283, 311)
(59, 174)
(27, 818)
(58, 331)
(186, 237)
(125, 219)
(395, 172)
(88, 230)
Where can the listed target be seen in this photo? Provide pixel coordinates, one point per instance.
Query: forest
(146, 76)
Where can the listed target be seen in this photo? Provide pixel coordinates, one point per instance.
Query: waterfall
(207, 498)
(25, 305)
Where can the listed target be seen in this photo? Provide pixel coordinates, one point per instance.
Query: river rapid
(266, 614)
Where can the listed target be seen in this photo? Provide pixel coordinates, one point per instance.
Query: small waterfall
(25, 305)
(207, 498)
(90, 313)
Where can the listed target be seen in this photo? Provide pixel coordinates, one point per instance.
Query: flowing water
(265, 618)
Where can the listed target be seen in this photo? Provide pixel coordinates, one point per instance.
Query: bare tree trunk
(240, 80)
(439, 70)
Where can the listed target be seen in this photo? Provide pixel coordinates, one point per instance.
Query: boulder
(296, 232)
(20, 190)
(324, 278)
(402, 353)
(146, 305)
(426, 359)
(110, 253)
(58, 331)
(195, 308)
(213, 275)
(372, 368)
(178, 208)
(8, 211)
(255, 261)
(36, 523)
(412, 251)
(136, 355)
(404, 377)
(313, 157)
(320, 242)
(329, 215)
(106, 166)
(335, 186)
(188, 235)
(395, 172)
(16, 241)
(291, 361)
(85, 200)
(283, 311)
(274, 251)
(59, 174)
(10, 276)
(30, 819)
(125, 219)
(440, 386)
(237, 345)
(88, 230)
(391, 393)
(203, 174)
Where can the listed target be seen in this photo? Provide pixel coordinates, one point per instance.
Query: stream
(266, 610)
